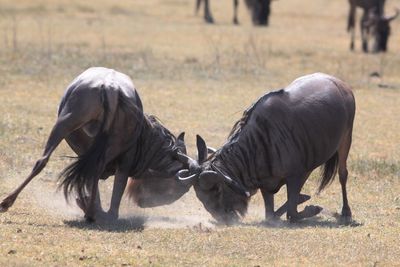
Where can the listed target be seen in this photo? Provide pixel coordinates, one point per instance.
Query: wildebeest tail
(329, 171)
(86, 170)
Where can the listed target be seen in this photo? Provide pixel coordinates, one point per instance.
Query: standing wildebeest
(260, 10)
(279, 140)
(373, 22)
(101, 117)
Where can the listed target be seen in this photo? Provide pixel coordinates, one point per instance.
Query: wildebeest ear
(202, 151)
(208, 179)
(180, 142)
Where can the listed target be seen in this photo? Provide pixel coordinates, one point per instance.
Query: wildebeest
(373, 23)
(260, 10)
(279, 141)
(101, 117)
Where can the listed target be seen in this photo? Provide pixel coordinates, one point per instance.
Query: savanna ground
(198, 78)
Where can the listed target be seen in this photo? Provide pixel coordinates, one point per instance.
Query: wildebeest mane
(153, 144)
(238, 126)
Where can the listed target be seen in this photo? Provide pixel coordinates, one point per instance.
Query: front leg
(120, 181)
(294, 185)
(268, 204)
(99, 210)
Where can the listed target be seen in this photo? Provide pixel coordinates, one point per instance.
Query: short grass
(198, 78)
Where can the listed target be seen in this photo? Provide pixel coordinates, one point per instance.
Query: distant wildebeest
(101, 117)
(373, 23)
(260, 10)
(279, 141)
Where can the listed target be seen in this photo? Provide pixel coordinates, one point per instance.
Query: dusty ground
(198, 78)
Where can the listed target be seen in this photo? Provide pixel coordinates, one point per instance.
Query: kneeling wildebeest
(260, 10)
(279, 140)
(101, 118)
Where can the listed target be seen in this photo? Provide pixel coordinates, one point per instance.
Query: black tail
(86, 170)
(329, 171)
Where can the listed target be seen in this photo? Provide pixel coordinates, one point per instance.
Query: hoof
(345, 220)
(311, 210)
(89, 219)
(3, 208)
(209, 19)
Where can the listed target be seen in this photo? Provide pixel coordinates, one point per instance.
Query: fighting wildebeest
(279, 141)
(101, 117)
(260, 10)
(372, 23)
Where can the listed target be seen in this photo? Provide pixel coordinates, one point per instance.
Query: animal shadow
(317, 222)
(136, 224)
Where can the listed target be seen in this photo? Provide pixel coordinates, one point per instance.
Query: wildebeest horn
(181, 176)
(186, 159)
(238, 188)
(394, 16)
(211, 149)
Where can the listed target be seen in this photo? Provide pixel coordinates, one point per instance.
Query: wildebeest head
(153, 190)
(224, 198)
(380, 29)
(161, 149)
(260, 10)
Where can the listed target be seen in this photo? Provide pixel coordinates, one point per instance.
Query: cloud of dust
(187, 212)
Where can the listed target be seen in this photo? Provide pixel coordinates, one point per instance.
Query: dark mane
(241, 123)
(154, 142)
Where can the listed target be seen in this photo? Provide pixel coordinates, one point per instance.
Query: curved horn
(186, 159)
(238, 188)
(394, 16)
(211, 149)
(183, 178)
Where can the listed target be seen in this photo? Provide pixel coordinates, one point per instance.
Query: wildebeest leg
(198, 3)
(364, 32)
(351, 24)
(235, 9)
(294, 185)
(268, 204)
(343, 173)
(120, 181)
(64, 125)
(94, 197)
(97, 205)
(207, 12)
(302, 198)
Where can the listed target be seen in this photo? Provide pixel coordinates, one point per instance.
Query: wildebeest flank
(279, 140)
(260, 10)
(101, 117)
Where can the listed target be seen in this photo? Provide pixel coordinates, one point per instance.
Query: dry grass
(196, 78)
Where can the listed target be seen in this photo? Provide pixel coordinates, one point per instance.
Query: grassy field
(198, 78)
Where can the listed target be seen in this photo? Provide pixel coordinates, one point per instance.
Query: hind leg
(343, 173)
(207, 12)
(64, 125)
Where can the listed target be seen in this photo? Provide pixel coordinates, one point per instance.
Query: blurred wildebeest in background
(279, 140)
(101, 117)
(373, 23)
(260, 10)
